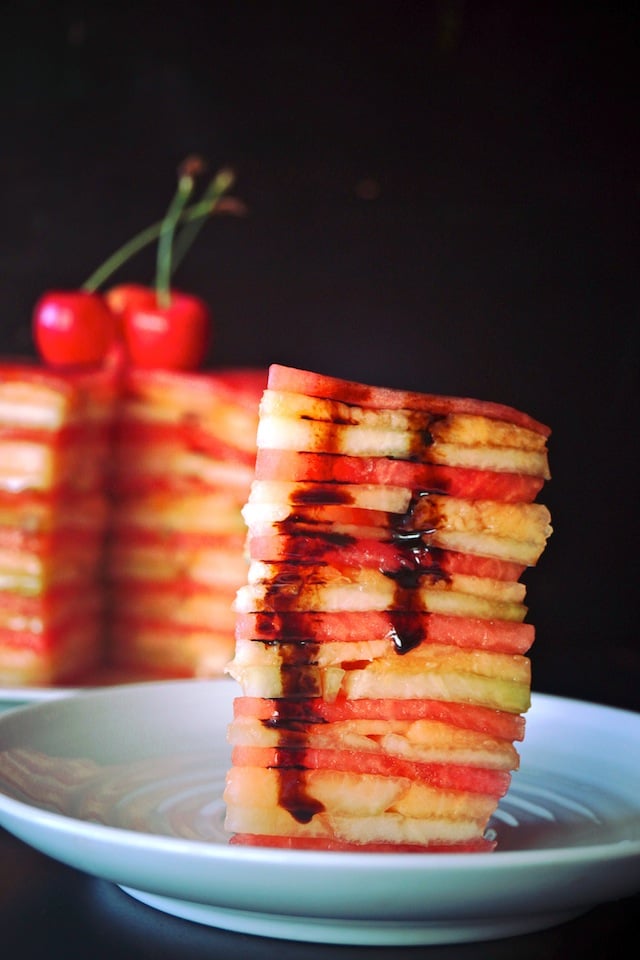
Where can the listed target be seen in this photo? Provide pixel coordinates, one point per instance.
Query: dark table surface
(442, 196)
(51, 911)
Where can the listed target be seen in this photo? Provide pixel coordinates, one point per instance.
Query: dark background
(442, 196)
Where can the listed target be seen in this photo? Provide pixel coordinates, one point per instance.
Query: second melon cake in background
(55, 430)
(381, 639)
(184, 456)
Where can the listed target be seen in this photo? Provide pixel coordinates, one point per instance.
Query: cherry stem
(195, 214)
(222, 182)
(186, 183)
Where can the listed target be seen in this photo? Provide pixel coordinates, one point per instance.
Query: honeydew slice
(426, 657)
(370, 592)
(183, 604)
(209, 402)
(220, 564)
(169, 648)
(460, 428)
(33, 465)
(424, 741)
(359, 795)
(208, 512)
(383, 679)
(391, 828)
(513, 531)
(314, 436)
(141, 465)
(292, 379)
(39, 514)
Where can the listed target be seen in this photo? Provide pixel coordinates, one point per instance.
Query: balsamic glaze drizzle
(297, 650)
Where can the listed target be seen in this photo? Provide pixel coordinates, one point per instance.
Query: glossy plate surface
(16, 696)
(11, 697)
(126, 784)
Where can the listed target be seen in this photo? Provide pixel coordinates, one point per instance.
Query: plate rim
(625, 847)
(212, 874)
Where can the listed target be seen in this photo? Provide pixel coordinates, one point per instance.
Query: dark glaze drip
(297, 653)
(298, 680)
(294, 653)
(322, 493)
(422, 437)
(292, 726)
(419, 560)
(422, 560)
(293, 795)
(320, 536)
(285, 578)
(294, 714)
(267, 623)
(336, 421)
(271, 625)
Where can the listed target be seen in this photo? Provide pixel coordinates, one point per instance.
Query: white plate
(11, 697)
(148, 761)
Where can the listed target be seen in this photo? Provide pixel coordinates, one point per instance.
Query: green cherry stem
(221, 183)
(141, 240)
(195, 213)
(186, 183)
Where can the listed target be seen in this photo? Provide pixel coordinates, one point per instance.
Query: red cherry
(73, 328)
(175, 337)
(130, 296)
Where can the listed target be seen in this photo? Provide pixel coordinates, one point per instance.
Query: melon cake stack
(183, 461)
(381, 642)
(54, 443)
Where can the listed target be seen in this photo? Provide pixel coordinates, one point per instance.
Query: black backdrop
(442, 196)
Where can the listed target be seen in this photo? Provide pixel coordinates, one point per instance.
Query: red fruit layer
(51, 639)
(165, 627)
(233, 385)
(74, 434)
(188, 435)
(40, 605)
(334, 519)
(319, 843)
(385, 555)
(168, 649)
(46, 545)
(292, 465)
(138, 485)
(443, 776)
(347, 391)
(495, 723)
(180, 586)
(321, 515)
(97, 383)
(174, 540)
(53, 510)
(501, 636)
(124, 624)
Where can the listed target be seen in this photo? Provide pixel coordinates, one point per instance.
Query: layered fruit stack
(381, 635)
(54, 442)
(184, 456)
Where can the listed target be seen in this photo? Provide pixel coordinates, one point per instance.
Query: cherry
(127, 297)
(172, 337)
(73, 328)
(153, 327)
